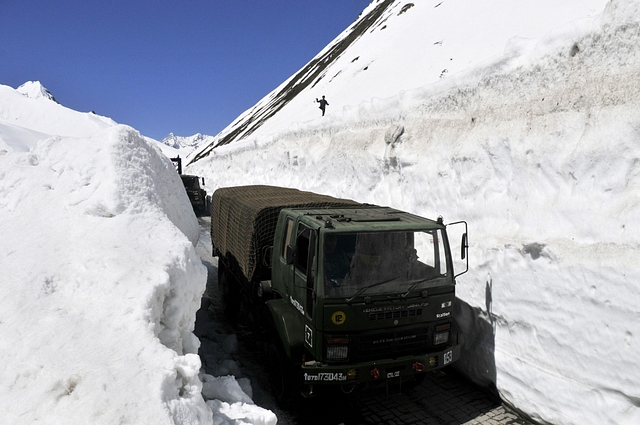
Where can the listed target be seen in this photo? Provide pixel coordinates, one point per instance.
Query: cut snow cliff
(536, 146)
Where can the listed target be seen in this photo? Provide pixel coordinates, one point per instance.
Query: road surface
(445, 397)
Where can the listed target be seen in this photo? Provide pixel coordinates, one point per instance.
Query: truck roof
(367, 218)
(244, 218)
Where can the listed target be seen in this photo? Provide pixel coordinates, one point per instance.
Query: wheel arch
(287, 327)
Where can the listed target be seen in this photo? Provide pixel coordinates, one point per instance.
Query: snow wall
(100, 285)
(539, 151)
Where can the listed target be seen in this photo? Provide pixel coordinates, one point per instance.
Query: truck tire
(207, 206)
(415, 381)
(229, 294)
(281, 377)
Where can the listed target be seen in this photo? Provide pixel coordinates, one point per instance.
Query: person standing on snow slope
(323, 104)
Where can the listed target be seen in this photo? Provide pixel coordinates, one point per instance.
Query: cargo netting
(244, 218)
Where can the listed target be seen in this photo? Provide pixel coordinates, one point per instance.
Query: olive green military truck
(197, 195)
(200, 201)
(347, 294)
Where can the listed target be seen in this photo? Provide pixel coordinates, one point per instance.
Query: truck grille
(390, 343)
(412, 312)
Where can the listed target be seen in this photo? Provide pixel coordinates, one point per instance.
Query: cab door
(304, 279)
(284, 269)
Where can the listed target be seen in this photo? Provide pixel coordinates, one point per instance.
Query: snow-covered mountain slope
(537, 147)
(30, 114)
(399, 45)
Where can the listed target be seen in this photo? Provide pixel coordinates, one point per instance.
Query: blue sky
(162, 66)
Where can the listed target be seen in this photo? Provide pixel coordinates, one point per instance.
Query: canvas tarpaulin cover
(244, 218)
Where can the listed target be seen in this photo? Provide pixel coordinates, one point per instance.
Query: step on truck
(347, 294)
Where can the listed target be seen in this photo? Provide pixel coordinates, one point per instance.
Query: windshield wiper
(418, 282)
(371, 286)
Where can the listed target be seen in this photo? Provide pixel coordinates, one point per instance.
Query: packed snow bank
(539, 150)
(100, 279)
(99, 287)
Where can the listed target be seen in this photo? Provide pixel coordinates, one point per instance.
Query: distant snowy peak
(184, 146)
(181, 142)
(35, 90)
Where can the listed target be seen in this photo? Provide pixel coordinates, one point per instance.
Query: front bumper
(316, 373)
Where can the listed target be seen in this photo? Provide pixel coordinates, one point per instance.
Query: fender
(287, 325)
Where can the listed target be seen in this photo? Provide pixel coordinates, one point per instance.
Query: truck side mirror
(290, 255)
(464, 246)
(267, 253)
(203, 181)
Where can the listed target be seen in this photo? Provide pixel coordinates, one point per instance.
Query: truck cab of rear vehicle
(193, 185)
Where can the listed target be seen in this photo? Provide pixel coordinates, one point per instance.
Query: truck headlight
(337, 348)
(441, 336)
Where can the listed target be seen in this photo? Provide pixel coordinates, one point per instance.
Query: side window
(287, 236)
(440, 255)
(302, 247)
(430, 251)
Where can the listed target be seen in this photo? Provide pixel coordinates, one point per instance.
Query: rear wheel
(229, 292)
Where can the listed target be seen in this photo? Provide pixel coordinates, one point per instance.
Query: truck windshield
(190, 182)
(383, 262)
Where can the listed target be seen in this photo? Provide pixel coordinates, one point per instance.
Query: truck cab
(200, 201)
(365, 295)
(197, 195)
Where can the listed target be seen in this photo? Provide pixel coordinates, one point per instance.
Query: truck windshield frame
(385, 263)
(191, 182)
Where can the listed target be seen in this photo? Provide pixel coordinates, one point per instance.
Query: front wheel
(282, 380)
(207, 205)
(416, 380)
